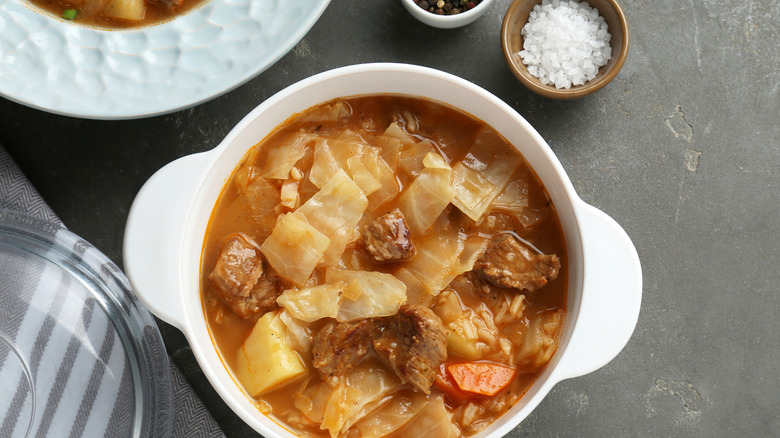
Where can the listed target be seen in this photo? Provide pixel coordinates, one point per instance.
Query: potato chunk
(265, 362)
(131, 10)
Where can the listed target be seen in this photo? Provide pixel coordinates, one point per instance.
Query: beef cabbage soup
(384, 265)
(116, 13)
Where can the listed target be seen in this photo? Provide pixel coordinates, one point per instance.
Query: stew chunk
(414, 345)
(338, 347)
(240, 280)
(507, 262)
(387, 238)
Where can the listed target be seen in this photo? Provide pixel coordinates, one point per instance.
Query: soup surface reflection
(384, 265)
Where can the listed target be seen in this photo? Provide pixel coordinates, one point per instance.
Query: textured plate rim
(214, 87)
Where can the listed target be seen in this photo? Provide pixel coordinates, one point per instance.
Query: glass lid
(79, 356)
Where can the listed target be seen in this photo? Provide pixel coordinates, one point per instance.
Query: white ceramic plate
(84, 72)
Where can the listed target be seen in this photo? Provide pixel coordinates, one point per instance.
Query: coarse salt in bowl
(564, 49)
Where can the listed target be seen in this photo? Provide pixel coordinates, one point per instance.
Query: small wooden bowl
(512, 43)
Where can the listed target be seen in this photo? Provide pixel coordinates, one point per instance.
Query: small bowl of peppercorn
(446, 14)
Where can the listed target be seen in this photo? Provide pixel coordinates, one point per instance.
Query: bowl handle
(154, 235)
(611, 294)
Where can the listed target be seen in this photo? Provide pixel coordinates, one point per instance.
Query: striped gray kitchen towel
(55, 340)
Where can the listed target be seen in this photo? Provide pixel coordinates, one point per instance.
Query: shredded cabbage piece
(416, 291)
(411, 159)
(356, 395)
(433, 421)
(392, 416)
(313, 400)
(312, 303)
(260, 199)
(428, 195)
(294, 248)
(397, 132)
(388, 188)
(471, 189)
(362, 176)
(540, 341)
(391, 149)
(514, 197)
(481, 175)
(330, 156)
(327, 113)
(335, 211)
(282, 159)
(436, 251)
(367, 294)
(298, 334)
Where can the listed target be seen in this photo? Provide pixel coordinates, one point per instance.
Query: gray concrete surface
(682, 149)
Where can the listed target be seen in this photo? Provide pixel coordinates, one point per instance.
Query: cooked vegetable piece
(471, 190)
(392, 416)
(433, 421)
(481, 377)
(540, 340)
(411, 159)
(330, 156)
(299, 335)
(367, 294)
(282, 159)
(480, 170)
(327, 113)
(131, 10)
(416, 292)
(289, 196)
(388, 184)
(313, 400)
(335, 211)
(428, 195)
(368, 384)
(446, 384)
(391, 150)
(436, 252)
(294, 248)
(514, 197)
(393, 130)
(313, 303)
(265, 362)
(362, 176)
(69, 14)
(258, 200)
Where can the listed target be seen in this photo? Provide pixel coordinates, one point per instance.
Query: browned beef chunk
(167, 3)
(413, 344)
(507, 262)
(387, 238)
(240, 279)
(339, 346)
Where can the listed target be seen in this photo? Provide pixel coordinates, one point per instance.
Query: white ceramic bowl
(167, 223)
(446, 21)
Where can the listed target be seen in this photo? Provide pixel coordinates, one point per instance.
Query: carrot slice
(481, 377)
(447, 385)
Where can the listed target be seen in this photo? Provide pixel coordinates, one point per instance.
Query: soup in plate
(116, 14)
(384, 265)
